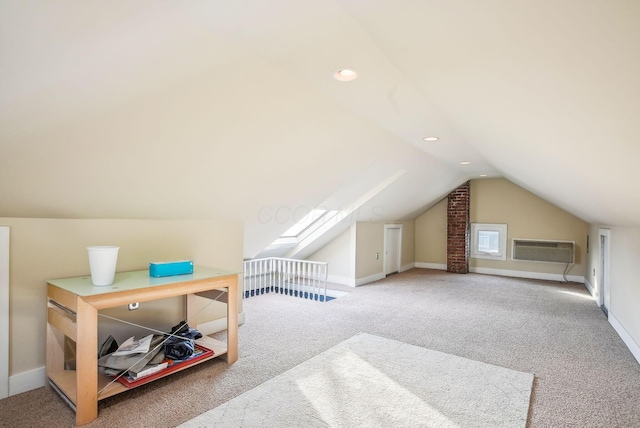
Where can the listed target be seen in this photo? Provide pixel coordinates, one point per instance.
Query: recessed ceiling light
(345, 75)
(483, 175)
(431, 138)
(465, 163)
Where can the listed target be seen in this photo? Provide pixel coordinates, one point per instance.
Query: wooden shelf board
(66, 382)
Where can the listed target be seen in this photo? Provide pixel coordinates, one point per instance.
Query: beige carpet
(585, 376)
(370, 381)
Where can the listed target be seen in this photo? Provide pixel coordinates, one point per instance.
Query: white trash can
(102, 262)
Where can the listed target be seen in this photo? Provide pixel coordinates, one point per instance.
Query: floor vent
(534, 250)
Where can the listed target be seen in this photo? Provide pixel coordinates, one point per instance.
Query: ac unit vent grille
(543, 251)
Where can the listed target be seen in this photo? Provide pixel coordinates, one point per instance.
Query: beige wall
(352, 255)
(42, 249)
(527, 216)
(593, 258)
(408, 257)
(624, 286)
(625, 279)
(431, 235)
(339, 254)
(370, 240)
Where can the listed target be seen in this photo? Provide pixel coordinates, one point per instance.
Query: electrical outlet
(134, 306)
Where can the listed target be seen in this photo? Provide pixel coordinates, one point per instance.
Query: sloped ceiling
(226, 109)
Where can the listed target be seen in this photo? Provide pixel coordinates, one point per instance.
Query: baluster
(280, 273)
(320, 273)
(249, 283)
(324, 278)
(314, 284)
(296, 275)
(291, 266)
(280, 276)
(310, 281)
(272, 262)
(316, 292)
(250, 288)
(267, 273)
(263, 276)
(303, 276)
(287, 271)
(292, 280)
(320, 270)
(299, 277)
(258, 276)
(310, 284)
(296, 278)
(301, 284)
(244, 278)
(252, 279)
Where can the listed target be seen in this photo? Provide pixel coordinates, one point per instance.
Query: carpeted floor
(584, 374)
(369, 381)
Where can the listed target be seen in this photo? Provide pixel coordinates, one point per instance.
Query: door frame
(4, 312)
(604, 283)
(386, 247)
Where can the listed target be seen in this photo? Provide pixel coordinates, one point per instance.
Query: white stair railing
(297, 278)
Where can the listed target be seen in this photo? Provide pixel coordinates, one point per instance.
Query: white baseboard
(27, 381)
(351, 282)
(438, 266)
(407, 267)
(344, 280)
(510, 273)
(527, 275)
(592, 291)
(37, 378)
(626, 337)
(368, 279)
(215, 326)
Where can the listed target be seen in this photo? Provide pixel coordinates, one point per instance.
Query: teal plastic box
(179, 267)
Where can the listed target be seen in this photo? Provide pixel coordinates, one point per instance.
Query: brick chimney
(458, 229)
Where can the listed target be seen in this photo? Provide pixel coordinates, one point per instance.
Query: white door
(4, 312)
(603, 283)
(392, 248)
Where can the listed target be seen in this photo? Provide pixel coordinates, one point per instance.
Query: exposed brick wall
(458, 229)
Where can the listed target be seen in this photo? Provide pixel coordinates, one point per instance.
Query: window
(306, 221)
(488, 241)
(309, 223)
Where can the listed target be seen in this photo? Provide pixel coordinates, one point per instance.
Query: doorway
(392, 248)
(603, 281)
(4, 312)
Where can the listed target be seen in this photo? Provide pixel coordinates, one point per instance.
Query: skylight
(307, 221)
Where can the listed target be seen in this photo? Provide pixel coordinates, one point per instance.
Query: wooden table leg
(86, 363)
(232, 322)
(192, 310)
(55, 350)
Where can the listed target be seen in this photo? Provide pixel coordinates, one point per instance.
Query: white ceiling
(226, 109)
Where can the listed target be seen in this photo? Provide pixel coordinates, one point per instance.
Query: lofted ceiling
(207, 109)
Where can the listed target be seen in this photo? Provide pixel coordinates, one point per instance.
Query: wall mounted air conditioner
(536, 250)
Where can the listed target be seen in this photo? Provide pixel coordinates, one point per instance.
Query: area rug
(370, 381)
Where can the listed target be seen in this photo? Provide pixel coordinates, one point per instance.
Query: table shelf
(73, 311)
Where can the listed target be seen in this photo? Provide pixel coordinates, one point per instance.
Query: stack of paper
(134, 356)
